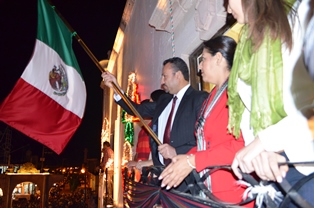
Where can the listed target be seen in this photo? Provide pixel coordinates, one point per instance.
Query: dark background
(96, 22)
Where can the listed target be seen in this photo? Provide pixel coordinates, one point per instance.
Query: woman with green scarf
(264, 103)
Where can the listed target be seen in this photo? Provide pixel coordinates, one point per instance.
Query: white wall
(144, 49)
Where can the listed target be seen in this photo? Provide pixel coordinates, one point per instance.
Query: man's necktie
(168, 128)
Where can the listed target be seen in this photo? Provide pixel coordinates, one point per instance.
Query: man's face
(170, 79)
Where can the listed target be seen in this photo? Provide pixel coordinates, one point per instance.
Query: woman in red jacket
(215, 146)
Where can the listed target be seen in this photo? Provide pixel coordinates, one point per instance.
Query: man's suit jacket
(182, 136)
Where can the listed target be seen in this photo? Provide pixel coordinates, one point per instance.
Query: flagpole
(96, 62)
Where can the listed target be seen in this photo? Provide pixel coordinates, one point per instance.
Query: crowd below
(65, 194)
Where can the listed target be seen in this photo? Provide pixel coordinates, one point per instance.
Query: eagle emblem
(58, 80)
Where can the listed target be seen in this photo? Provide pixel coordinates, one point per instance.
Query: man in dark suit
(175, 80)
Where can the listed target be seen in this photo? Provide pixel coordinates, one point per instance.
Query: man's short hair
(106, 144)
(156, 94)
(179, 65)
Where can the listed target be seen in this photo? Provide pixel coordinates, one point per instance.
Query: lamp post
(42, 159)
(83, 171)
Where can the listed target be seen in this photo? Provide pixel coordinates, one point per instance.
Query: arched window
(26, 193)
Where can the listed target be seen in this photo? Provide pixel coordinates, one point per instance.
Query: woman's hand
(254, 158)
(267, 168)
(176, 171)
(243, 158)
(143, 163)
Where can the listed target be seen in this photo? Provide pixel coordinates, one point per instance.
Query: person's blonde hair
(272, 15)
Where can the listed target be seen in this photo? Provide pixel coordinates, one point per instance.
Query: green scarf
(263, 71)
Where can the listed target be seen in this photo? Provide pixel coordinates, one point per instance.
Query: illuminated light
(127, 120)
(127, 153)
(162, 5)
(104, 134)
(104, 63)
(119, 40)
(27, 173)
(116, 49)
(112, 61)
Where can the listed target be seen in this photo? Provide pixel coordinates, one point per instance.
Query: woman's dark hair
(179, 65)
(223, 44)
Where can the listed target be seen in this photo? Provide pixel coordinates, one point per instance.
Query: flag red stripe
(26, 105)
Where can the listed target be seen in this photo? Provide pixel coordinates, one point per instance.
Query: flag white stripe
(37, 74)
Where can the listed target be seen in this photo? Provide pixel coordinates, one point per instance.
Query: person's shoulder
(201, 96)
(196, 96)
(197, 92)
(165, 96)
(204, 93)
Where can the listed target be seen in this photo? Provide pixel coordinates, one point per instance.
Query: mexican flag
(48, 101)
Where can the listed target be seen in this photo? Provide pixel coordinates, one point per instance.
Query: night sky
(96, 22)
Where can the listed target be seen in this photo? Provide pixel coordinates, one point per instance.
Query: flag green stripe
(53, 32)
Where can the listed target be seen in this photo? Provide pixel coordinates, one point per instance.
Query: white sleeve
(291, 134)
(116, 97)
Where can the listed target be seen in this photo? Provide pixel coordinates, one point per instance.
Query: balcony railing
(147, 192)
